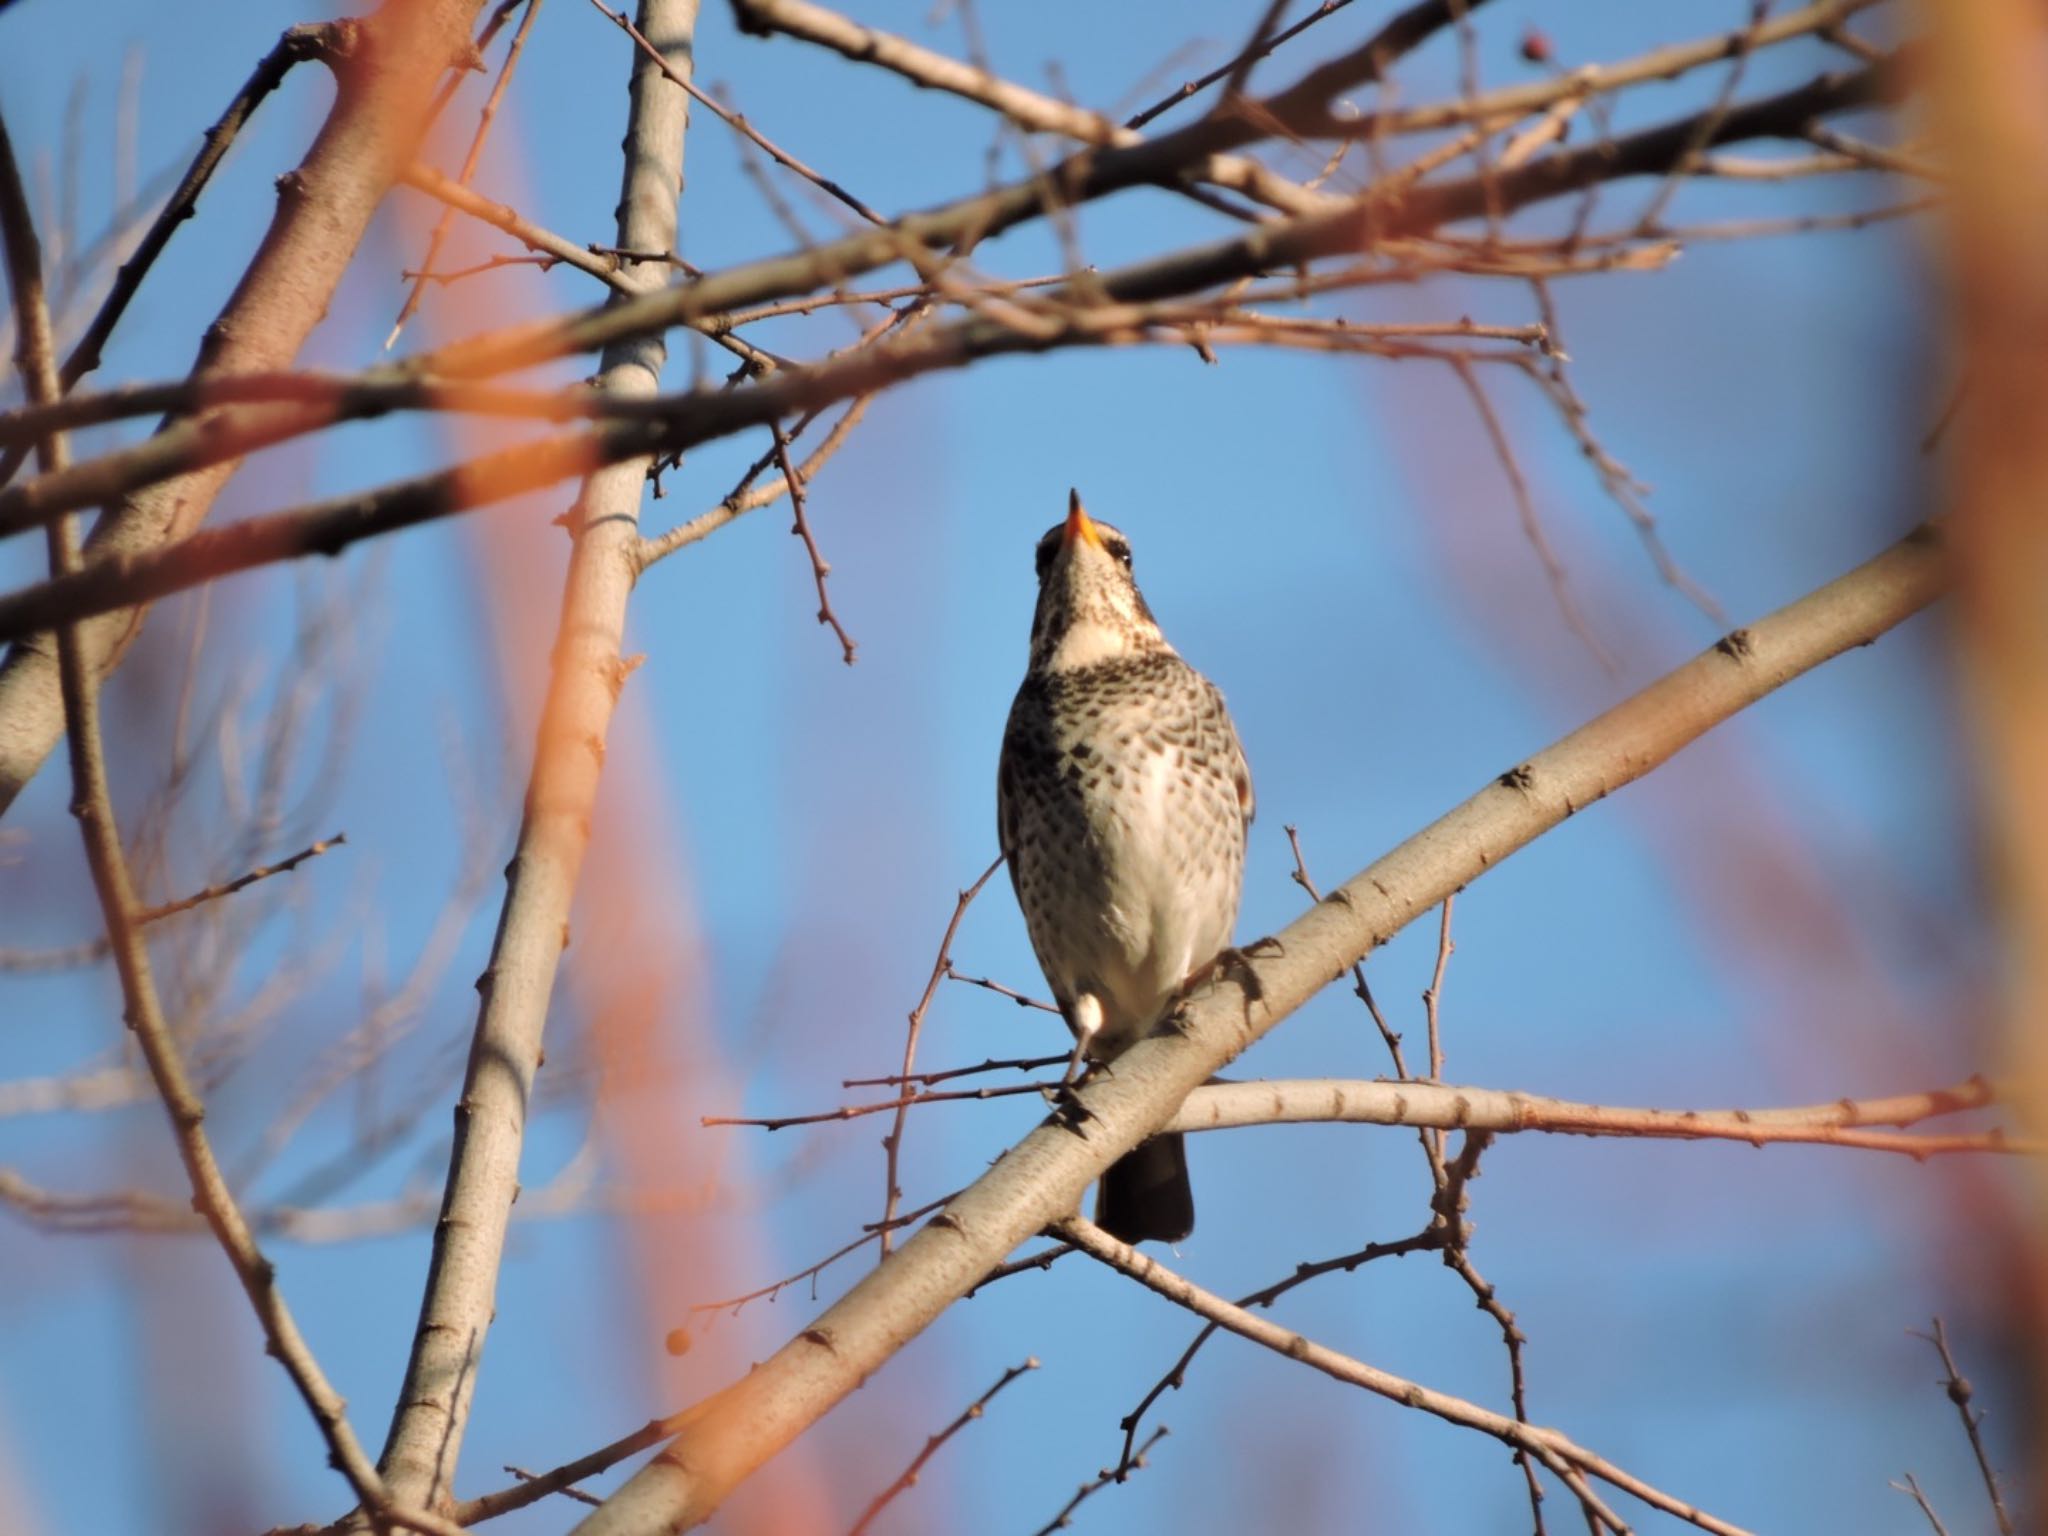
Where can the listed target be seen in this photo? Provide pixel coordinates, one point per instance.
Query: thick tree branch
(385, 66)
(1117, 315)
(1991, 123)
(1086, 313)
(483, 1174)
(1040, 1180)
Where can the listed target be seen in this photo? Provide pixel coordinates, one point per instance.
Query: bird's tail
(1146, 1194)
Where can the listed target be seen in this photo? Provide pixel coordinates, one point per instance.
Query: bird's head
(1089, 607)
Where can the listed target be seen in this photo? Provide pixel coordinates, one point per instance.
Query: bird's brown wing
(1010, 766)
(1241, 771)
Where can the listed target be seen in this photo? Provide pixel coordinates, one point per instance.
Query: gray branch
(1040, 1180)
(483, 1173)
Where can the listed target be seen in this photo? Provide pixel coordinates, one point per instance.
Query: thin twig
(1532, 525)
(927, 1079)
(241, 882)
(1960, 1393)
(801, 527)
(737, 121)
(1359, 986)
(1045, 1258)
(576, 1494)
(909, 1476)
(1432, 997)
(1428, 1240)
(812, 1271)
(92, 951)
(1450, 1203)
(465, 176)
(1912, 1486)
(1682, 167)
(1550, 1446)
(747, 497)
(899, 1105)
(892, 1145)
(531, 1488)
(1622, 487)
(1101, 1480)
(989, 984)
(1260, 49)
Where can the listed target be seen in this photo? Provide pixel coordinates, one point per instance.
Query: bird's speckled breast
(1123, 804)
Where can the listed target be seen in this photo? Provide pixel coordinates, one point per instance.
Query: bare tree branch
(1099, 311)
(908, 1479)
(1838, 1123)
(483, 1172)
(92, 806)
(1040, 1180)
(1554, 1449)
(385, 65)
(297, 45)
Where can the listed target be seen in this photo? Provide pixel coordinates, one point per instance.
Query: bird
(1123, 803)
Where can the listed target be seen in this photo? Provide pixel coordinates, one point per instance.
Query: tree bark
(385, 66)
(490, 1117)
(1040, 1180)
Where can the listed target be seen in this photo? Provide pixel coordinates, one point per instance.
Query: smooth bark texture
(1041, 1179)
(1448, 1107)
(490, 1117)
(385, 66)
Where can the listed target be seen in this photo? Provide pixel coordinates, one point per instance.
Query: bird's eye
(1045, 554)
(1121, 552)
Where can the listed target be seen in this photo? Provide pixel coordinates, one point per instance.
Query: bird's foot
(1064, 1097)
(1236, 964)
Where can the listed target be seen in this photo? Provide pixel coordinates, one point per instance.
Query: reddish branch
(385, 66)
(1839, 1123)
(1114, 313)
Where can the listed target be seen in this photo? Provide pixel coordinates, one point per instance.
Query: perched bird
(1122, 804)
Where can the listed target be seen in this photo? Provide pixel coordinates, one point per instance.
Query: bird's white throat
(1088, 642)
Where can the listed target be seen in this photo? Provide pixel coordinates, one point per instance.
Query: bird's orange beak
(1080, 527)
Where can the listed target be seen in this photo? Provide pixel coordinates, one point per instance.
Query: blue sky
(1788, 913)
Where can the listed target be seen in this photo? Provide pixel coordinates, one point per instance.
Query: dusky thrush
(1122, 804)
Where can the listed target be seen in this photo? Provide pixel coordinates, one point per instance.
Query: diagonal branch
(1040, 1180)
(1021, 105)
(1085, 313)
(385, 65)
(297, 45)
(667, 426)
(1554, 1449)
(428, 271)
